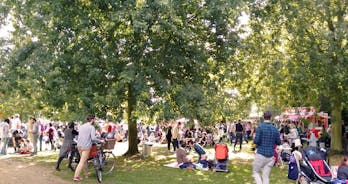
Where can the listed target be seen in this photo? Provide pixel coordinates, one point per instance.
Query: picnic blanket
(175, 165)
(172, 165)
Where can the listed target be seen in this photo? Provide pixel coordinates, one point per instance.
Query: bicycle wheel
(109, 162)
(98, 171)
(99, 176)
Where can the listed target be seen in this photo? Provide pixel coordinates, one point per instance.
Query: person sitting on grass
(183, 161)
(206, 164)
(199, 150)
(26, 147)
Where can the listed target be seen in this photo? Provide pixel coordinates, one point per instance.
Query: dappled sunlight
(120, 148)
(151, 170)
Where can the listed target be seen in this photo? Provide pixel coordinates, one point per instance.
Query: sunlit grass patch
(151, 170)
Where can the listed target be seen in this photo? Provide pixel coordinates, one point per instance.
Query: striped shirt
(266, 137)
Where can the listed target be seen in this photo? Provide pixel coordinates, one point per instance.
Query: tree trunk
(132, 124)
(336, 118)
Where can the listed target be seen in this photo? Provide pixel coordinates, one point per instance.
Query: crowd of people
(21, 136)
(173, 132)
(42, 134)
(270, 139)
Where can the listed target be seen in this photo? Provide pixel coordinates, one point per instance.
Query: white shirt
(293, 134)
(232, 127)
(1, 130)
(5, 130)
(312, 140)
(15, 124)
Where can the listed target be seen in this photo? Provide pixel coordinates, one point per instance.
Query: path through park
(14, 172)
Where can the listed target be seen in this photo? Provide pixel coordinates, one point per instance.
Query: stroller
(315, 168)
(221, 155)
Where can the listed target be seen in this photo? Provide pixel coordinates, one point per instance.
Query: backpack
(293, 169)
(221, 151)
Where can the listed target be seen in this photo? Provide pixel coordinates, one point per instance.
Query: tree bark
(336, 118)
(132, 124)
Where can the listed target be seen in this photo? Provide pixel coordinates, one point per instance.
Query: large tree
(306, 43)
(133, 56)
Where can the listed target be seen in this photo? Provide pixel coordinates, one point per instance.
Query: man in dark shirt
(239, 135)
(267, 136)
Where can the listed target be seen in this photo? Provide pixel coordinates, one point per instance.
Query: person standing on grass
(42, 131)
(169, 136)
(239, 135)
(34, 134)
(231, 131)
(5, 135)
(84, 144)
(175, 135)
(15, 124)
(69, 135)
(51, 134)
(266, 137)
(248, 130)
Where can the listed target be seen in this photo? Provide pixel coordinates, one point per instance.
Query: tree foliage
(163, 59)
(306, 42)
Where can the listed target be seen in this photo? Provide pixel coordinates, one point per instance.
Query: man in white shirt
(5, 135)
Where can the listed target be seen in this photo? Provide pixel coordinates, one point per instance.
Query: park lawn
(141, 170)
(149, 171)
(152, 172)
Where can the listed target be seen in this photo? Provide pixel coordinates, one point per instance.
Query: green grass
(151, 171)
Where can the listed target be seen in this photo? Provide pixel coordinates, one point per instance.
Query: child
(26, 147)
(312, 141)
(285, 151)
(295, 162)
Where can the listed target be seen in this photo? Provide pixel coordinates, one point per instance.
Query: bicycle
(104, 160)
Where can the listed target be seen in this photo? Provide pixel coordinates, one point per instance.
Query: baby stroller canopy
(313, 153)
(316, 160)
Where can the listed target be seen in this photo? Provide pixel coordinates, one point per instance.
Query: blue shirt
(266, 137)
